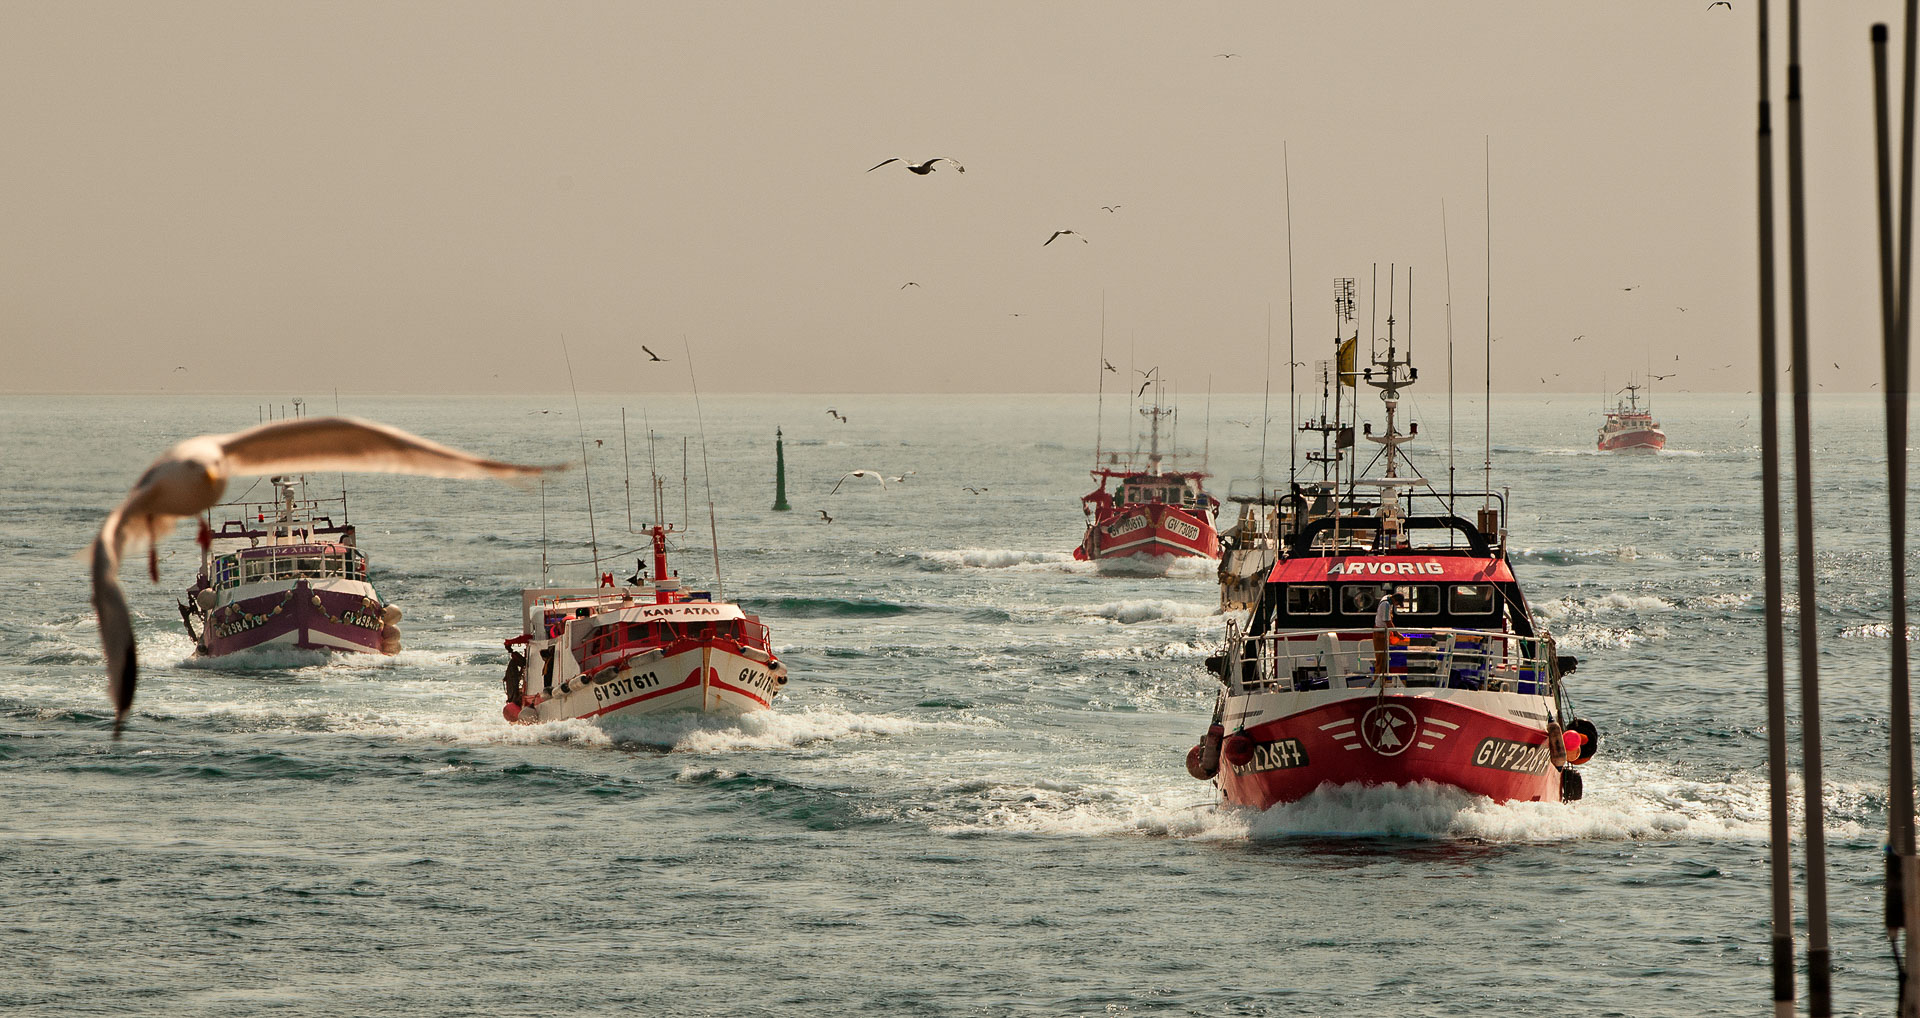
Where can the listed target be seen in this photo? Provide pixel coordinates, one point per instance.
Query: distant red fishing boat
(1630, 427)
(1151, 511)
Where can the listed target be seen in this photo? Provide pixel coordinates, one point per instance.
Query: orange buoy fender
(1210, 749)
(1238, 749)
(1194, 767)
(511, 712)
(1589, 740)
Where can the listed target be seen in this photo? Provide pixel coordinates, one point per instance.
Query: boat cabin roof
(1407, 567)
(618, 604)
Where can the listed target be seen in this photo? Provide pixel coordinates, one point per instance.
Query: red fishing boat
(1149, 511)
(1392, 644)
(285, 573)
(1631, 427)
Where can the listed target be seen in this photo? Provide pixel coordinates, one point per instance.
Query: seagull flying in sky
(823, 515)
(1057, 234)
(908, 283)
(921, 168)
(974, 490)
(836, 415)
(1661, 378)
(651, 354)
(190, 478)
(1106, 208)
(1143, 388)
(875, 474)
(1108, 364)
(1719, 3)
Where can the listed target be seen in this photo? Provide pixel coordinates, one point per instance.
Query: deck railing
(1347, 658)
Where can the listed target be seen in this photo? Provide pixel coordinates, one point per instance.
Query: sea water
(971, 797)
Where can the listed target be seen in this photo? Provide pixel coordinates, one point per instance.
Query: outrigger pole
(1902, 881)
(1780, 834)
(592, 537)
(1446, 252)
(713, 528)
(1819, 955)
(1100, 389)
(1486, 147)
(1293, 398)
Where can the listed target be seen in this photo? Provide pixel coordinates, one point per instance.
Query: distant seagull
(1719, 3)
(598, 442)
(1147, 373)
(1143, 388)
(1244, 424)
(1633, 287)
(562, 413)
(1108, 364)
(908, 283)
(823, 515)
(1057, 234)
(835, 414)
(1836, 365)
(974, 490)
(1226, 56)
(1680, 308)
(1108, 208)
(1579, 337)
(875, 474)
(182, 367)
(1661, 378)
(651, 354)
(190, 478)
(921, 168)
(1017, 314)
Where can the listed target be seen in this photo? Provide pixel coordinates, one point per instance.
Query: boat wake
(957, 559)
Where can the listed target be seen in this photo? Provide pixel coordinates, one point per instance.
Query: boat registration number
(1126, 526)
(1278, 755)
(626, 685)
(754, 678)
(1507, 755)
(1183, 528)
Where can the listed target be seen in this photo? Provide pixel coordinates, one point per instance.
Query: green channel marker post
(779, 473)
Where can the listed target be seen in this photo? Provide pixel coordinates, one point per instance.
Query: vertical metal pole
(1900, 806)
(1819, 955)
(1780, 839)
(1910, 864)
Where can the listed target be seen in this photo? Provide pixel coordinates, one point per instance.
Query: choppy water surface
(970, 801)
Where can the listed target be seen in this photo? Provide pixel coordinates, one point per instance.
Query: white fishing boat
(615, 651)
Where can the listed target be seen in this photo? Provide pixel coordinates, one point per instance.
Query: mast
(1487, 183)
(713, 527)
(1100, 377)
(1446, 250)
(1819, 955)
(1293, 398)
(586, 476)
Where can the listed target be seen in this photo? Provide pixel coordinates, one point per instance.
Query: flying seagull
(1226, 56)
(1147, 373)
(651, 354)
(1057, 234)
(182, 367)
(1108, 364)
(836, 415)
(875, 474)
(1108, 208)
(190, 478)
(921, 168)
(1579, 337)
(1661, 378)
(1143, 388)
(975, 490)
(908, 283)
(1719, 3)
(823, 515)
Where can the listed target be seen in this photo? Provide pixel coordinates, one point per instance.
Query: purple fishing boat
(284, 574)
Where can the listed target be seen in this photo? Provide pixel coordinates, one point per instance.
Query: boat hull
(1643, 440)
(1483, 743)
(1147, 531)
(299, 616)
(699, 678)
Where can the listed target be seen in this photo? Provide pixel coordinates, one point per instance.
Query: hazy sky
(423, 197)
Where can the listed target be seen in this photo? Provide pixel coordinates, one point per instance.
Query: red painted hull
(1150, 530)
(1458, 738)
(1648, 439)
(299, 617)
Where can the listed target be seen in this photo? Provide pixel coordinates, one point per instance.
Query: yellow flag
(1348, 350)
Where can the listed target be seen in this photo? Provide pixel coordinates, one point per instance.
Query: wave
(996, 558)
(1145, 610)
(1873, 631)
(1582, 556)
(824, 607)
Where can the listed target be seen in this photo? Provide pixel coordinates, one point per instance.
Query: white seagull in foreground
(921, 168)
(190, 478)
(875, 474)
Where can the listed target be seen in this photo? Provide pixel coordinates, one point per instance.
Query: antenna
(713, 530)
(1819, 955)
(626, 463)
(1446, 250)
(1100, 374)
(1901, 879)
(592, 536)
(1486, 144)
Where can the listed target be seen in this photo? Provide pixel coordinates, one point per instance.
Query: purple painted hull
(300, 617)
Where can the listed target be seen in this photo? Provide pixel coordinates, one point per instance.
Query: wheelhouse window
(1470, 598)
(1309, 599)
(1361, 598)
(1416, 599)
